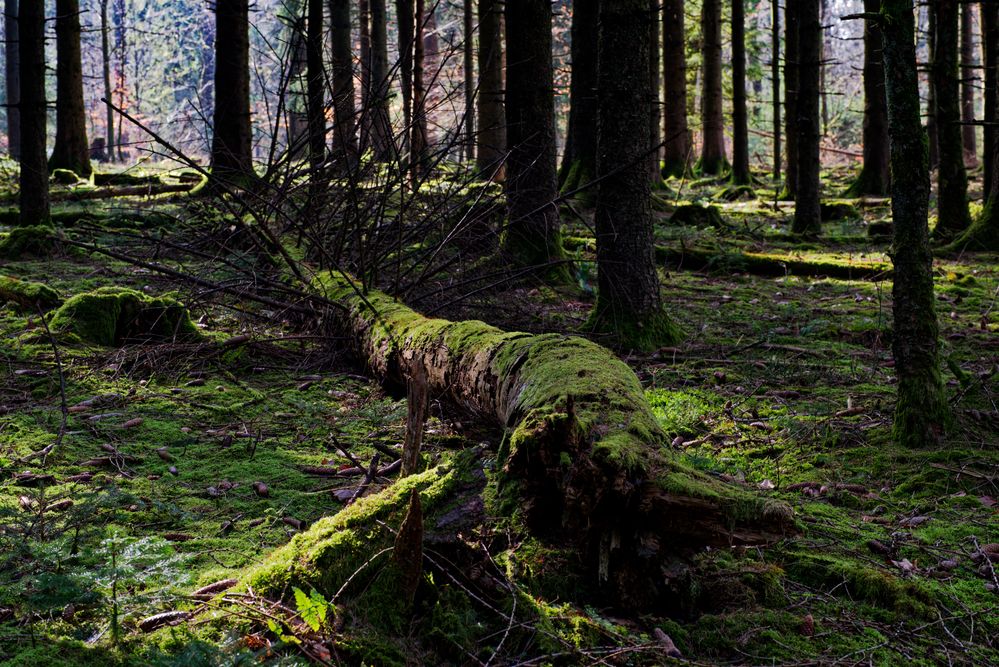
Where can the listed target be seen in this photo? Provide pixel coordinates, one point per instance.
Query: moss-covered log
(27, 296)
(115, 315)
(769, 264)
(585, 461)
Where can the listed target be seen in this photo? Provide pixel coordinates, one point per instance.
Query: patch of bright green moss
(112, 315)
(28, 296)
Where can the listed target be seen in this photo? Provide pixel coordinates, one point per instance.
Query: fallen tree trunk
(765, 264)
(585, 461)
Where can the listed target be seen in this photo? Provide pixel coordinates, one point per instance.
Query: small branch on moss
(368, 478)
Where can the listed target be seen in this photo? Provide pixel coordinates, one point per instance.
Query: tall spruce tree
(740, 117)
(490, 149)
(34, 180)
(874, 177)
(232, 140)
(676, 133)
(712, 120)
(71, 150)
(807, 209)
(579, 159)
(12, 70)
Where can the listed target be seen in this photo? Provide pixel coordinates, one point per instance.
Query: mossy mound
(696, 215)
(124, 179)
(113, 315)
(838, 210)
(26, 295)
(33, 241)
(64, 176)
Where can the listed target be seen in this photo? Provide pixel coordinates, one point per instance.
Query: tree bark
(792, 11)
(419, 141)
(468, 72)
(713, 124)
(740, 120)
(106, 71)
(931, 86)
(990, 48)
(344, 142)
(381, 127)
(232, 140)
(34, 178)
(12, 69)
(579, 162)
(875, 176)
(629, 303)
(655, 140)
(676, 158)
(952, 180)
(491, 148)
(71, 150)
(532, 237)
(968, 82)
(921, 413)
(775, 84)
(585, 462)
(406, 19)
(807, 208)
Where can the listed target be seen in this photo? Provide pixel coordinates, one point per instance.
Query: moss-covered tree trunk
(921, 413)
(584, 462)
(969, 81)
(807, 205)
(676, 156)
(712, 120)
(532, 237)
(579, 161)
(740, 119)
(874, 178)
(952, 179)
(491, 143)
(34, 179)
(629, 303)
(990, 45)
(791, 61)
(232, 156)
(342, 80)
(13, 73)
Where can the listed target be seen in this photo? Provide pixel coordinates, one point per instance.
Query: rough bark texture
(106, 73)
(364, 38)
(12, 70)
(921, 413)
(775, 83)
(990, 48)
(969, 80)
(791, 61)
(585, 462)
(629, 303)
(71, 150)
(713, 124)
(34, 165)
(406, 22)
(468, 72)
(931, 86)
(419, 141)
(676, 158)
(316, 86)
(952, 179)
(491, 148)
(381, 127)
(342, 78)
(232, 139)
(807, 205)
(579, 162)
(653, 8)
(875, 176)
(532, 235)
(740, 120)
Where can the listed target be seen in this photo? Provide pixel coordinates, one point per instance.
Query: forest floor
(182, 464)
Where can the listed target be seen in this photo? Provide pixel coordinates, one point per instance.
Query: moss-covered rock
(114, 315)
(64, 176)
(33, 241)
(26, 295)
(838, 210)
(696, 215)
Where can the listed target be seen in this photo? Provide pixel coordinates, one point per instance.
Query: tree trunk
(532, 237)
(71, 150)
(968, 82)
(629, 303)
(106, 71)
(676, 158)
(654, 113)
(792, 11)
(585, 463)
(121, 44)
(316, 106)
(921, 413)
(952, 180)
(491, 148)
(468, 72)
(579, 162)
(713, 124)
(775, 83)
(990, 48)
(931, 95)
(874, 178)
(298, 82)
(807, 209)
(381, 127)
(232, 140)
(406, 20)
(13, 73)
(34, 178)
(342, 77)
(418, 144)
(740, 120)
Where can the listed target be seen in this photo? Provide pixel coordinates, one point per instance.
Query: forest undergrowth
(148, 486)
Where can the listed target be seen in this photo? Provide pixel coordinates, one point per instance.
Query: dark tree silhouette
(775, 83)
(71, 150)
(952, 179)
(792, 11)
(532, 235)
(579, 160)
(12, 70)
(468, 71)
(378, 104)
(968, 82)
(232, 138)
(34, 166)
(406, 31)
(655, 140)
(344, 142)
(629, 301)
(106, 73)
(740, 120)
(921, 413)
(874, 177)
(491, 145)
(931, 88)
(676, 157)
(990, 48)
(807, 217)
(713, 124)
(364, 36)
(419, 141)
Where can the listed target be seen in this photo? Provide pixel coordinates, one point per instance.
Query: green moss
(28, 296)
(64, 176)
(112, 315)
(22, 242)
(698, 216)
